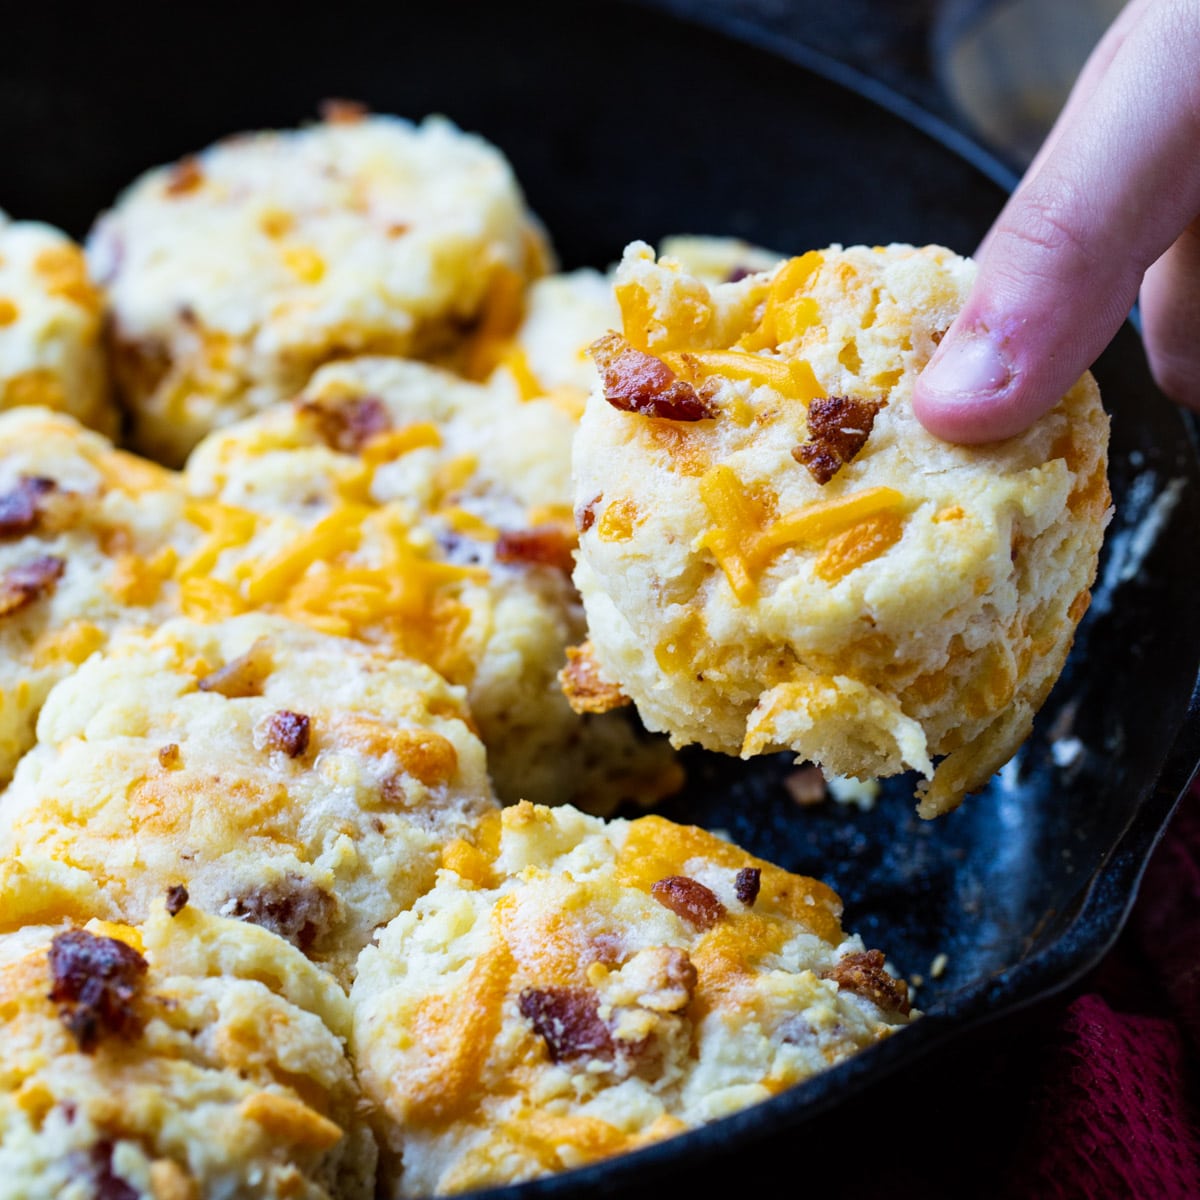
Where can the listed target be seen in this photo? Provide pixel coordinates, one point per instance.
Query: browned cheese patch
(584, 687)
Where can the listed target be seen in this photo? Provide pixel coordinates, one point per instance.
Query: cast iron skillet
(625, 123)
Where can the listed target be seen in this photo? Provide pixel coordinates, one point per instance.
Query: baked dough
(775, 554)
(573, 989)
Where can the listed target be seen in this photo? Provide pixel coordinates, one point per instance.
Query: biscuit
(774, 553)
(296, 780)
(133, 1067)
(233, 274)
(398, 504)
(562, 315)
(547, 354)
(51, 354)
(88, 542)
(573, 989)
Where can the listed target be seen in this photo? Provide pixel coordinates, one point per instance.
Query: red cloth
(1113, 1108)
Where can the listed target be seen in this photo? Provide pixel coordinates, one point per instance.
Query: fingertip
(970, 392)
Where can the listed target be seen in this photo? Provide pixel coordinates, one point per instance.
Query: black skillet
(626, 123)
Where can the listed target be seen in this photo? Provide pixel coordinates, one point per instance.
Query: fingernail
(971, 365)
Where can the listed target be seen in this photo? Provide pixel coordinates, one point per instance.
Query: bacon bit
(838, 428)
(21, 585)
(864, 975)
(177, 898)
(168, 756)
(289, 732)
(185, 176)
(336, 111)
(98, 1168)
(806, 786)
(348, 425)
(607, 948)
(585, 517)
(95, 982)
(544, 545)
(690, 899)
(737, 274)
(293, 908)
(567, 1019)
(746, 885)
(242, 676)
(586, 691)
(20, 508)
(640, 383)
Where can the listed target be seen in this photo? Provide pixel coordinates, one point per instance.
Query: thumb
(1060, 269)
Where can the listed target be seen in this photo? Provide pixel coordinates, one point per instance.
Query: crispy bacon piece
(242, 676)
(292, 907)
(21, 585)
(864, 975)
(838, 428)
(95, 981)
(567, 1019)
(337, 111)
(690, 899)
(640, 383)
(585, 517)
(586, 691)
(544, 545)
(21, 507)
(349, 424)
(746, 885)
(185, 176)
(177, 898)
(289, 732)
(97, 1168)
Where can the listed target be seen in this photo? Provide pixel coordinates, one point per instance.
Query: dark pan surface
(626, 123)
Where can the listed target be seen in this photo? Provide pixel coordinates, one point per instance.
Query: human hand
(1110, 204)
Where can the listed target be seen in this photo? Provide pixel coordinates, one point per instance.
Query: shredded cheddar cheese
(743, 543)
(787, 313)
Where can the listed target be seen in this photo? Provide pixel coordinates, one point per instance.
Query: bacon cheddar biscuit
(135, 1066)
(571, 990)
(232, 275)
(774, 554)
(51, 355)
(293, 779)
(88, 542)
(395, 503)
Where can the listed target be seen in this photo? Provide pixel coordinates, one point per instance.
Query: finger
(1061, 269)
(1170, 302)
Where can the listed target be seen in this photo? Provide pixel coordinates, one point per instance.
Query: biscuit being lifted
(774, 553)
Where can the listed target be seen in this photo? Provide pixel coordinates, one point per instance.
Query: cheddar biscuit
(134, 1066)
(562, 315)
(89, 537)
(293, 779)
(233, 274)
(395, 503)
(51, 354)
(572, 990)
(775, 554)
